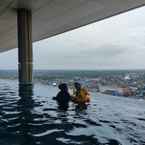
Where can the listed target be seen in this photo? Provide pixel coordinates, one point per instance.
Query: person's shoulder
(84, 89)
(59, 93)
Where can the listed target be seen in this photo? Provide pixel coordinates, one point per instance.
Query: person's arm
(53, 98)
(56, 97)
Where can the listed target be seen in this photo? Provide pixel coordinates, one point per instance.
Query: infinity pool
(36, 120)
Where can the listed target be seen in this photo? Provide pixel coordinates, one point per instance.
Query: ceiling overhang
(52, 17)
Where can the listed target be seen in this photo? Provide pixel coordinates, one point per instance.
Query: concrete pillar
(25, 56)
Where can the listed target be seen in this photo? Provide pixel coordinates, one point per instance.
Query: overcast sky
(114, 43)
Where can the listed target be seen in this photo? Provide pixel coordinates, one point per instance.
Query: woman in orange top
(80, 95)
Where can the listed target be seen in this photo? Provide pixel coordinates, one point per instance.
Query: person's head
(77, 85)
(63, 87)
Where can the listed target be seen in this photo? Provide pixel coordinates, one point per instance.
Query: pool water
(37, 120)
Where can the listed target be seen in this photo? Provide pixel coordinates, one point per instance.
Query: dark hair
(76, 84)
(63, 87)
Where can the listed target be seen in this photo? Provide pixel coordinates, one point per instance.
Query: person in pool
(80, 94)
(63, 97)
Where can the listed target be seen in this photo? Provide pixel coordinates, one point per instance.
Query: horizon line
(135, 69)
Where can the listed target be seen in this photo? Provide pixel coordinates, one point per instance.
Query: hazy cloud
(117, 42)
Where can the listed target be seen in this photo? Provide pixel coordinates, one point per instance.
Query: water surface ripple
(36, 120)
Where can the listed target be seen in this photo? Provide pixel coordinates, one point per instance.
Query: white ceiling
(52, 17)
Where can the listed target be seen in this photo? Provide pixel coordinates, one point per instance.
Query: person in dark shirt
(63, 97)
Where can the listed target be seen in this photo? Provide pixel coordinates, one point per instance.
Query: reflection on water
(24, 106)
(35, 119)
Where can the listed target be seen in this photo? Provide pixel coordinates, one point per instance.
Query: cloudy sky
(114, 43)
